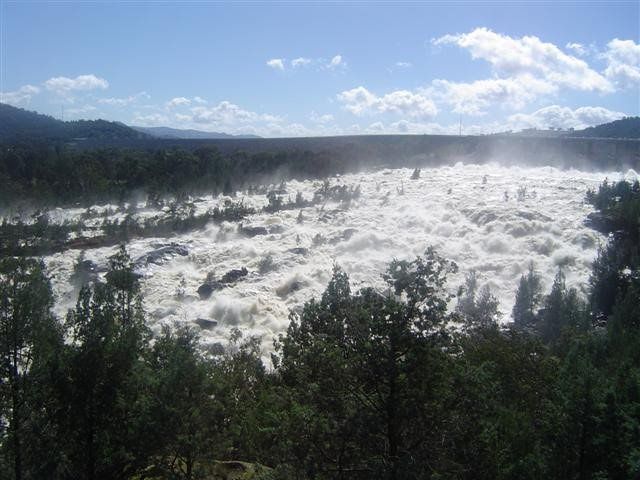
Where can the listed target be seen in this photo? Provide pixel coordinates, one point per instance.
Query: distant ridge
(18, 124)
(167, 132)
(628, 127)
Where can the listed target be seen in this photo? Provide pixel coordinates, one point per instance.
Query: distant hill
(19, 124)
(166, 132)
(628, 127)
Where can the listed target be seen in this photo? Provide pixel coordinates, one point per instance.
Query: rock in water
(206, 289)
(252, 231)
(205, 323)
(161, 255)
(233, 275)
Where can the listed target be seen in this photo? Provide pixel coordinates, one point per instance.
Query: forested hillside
(19, 125)
(628, 127)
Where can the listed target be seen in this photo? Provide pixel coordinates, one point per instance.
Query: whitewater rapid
(471, 214)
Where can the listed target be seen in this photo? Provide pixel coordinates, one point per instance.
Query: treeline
(39, 236)
(44, 174)
(363, 385)
(628, 127)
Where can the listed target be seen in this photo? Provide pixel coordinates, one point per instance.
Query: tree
(25, 319)
(105, 381)
(528, 298)
(185, 412)
(369, 369)
(477, 310)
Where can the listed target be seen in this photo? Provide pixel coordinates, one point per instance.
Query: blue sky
(290, 69)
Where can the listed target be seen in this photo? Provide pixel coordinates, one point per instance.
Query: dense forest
(363, 385)
(21, 125)
(628, 127)
(45, 175)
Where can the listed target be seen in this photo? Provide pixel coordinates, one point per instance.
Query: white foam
(449, 208)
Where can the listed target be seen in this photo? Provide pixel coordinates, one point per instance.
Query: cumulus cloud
(623, 62)
(19, 97)
(63, 85)
(359, 101)
(276, 63)
(227, 114)
(555, 116)
(528, 55)
(178, 102)
(474, 98)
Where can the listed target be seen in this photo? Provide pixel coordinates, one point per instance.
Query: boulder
(206, 289)
(162, 255)
(234, 275)
(252, 231)
(205, 323)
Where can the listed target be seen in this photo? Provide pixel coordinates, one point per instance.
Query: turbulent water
(471, 214)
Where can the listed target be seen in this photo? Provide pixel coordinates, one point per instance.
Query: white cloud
(323, 119)
(19, 97)
(227, 114)
(404, 64)
(555, 116)
(64, 85)
(276, 63)
(475, 97)
(359, 101)
(199, 100)
(177, 102)
(528, 56)
(577, 48)
(124, 101)
(336, 62)
(623, 62)
(300, 62)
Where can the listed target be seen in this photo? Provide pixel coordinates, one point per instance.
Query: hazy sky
(289, 69)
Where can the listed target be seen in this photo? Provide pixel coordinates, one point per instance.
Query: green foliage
(478, 310)
(363, 385)
(528, 297)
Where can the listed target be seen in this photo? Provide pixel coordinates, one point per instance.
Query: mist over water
(471, 214)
